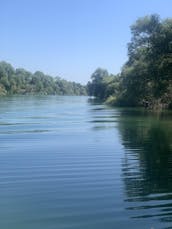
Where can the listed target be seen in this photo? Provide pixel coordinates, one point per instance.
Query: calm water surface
(68, 163)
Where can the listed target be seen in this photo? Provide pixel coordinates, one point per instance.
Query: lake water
(66, 162)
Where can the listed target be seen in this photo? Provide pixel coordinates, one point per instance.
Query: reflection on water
(66, 162)
(147, 164)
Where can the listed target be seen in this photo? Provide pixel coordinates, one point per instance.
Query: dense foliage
(104, 85)
(20, 81)
(146, 78)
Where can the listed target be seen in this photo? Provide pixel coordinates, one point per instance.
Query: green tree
(104, 86)
(20, 81)
(98, 86)
(147, 73)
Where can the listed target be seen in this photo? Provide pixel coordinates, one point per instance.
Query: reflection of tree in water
(147, 166)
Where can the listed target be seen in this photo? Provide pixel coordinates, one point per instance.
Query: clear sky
(71, 38)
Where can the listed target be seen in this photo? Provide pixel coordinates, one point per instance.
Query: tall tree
(147, 75)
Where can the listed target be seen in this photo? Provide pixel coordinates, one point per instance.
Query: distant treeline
(146, 77)
(20, 81)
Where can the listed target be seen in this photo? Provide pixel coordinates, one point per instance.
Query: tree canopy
(146, 77)
(20, 81)
(103, 84)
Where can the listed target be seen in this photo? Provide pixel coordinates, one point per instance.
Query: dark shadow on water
(147, 163)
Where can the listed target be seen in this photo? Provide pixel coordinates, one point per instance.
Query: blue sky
(71, 38)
